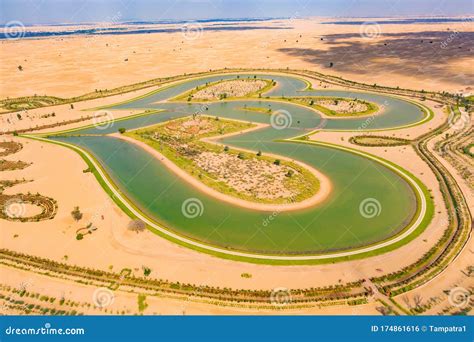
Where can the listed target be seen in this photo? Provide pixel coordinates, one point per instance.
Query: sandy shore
(320, 196)
(57, 172)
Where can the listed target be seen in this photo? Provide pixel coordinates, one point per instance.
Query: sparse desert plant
(146, 271)
(142, 304)
(76, 214)
(137, 226)
(417, 299)
(384, 310)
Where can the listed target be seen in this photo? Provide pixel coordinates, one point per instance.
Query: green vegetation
(352, 292)
(38, 101)
(76, 214)
(469, 150)
(340, 107)
(181, 141)
(222, 94)
(142, 304)
(11, 206)
(146, 271)
(374, 140)
(29, 102)
(256, 109)
(410, 277)
(254, 153)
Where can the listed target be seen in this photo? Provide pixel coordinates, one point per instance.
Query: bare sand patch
(341, 106)
(408, 60)
(22, 210)
(225, 89)
(253, 177)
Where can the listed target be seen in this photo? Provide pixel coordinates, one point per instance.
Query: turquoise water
(335, 224)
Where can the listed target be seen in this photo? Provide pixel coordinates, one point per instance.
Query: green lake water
(334, 225)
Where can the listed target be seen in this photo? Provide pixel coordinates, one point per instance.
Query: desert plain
(433, 57)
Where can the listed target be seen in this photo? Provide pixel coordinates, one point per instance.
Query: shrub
(137, 226)
(76, 214)
(146, 271)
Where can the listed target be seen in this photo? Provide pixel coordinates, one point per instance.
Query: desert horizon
(266, 163)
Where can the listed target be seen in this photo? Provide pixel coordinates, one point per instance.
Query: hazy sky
(74, 11)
